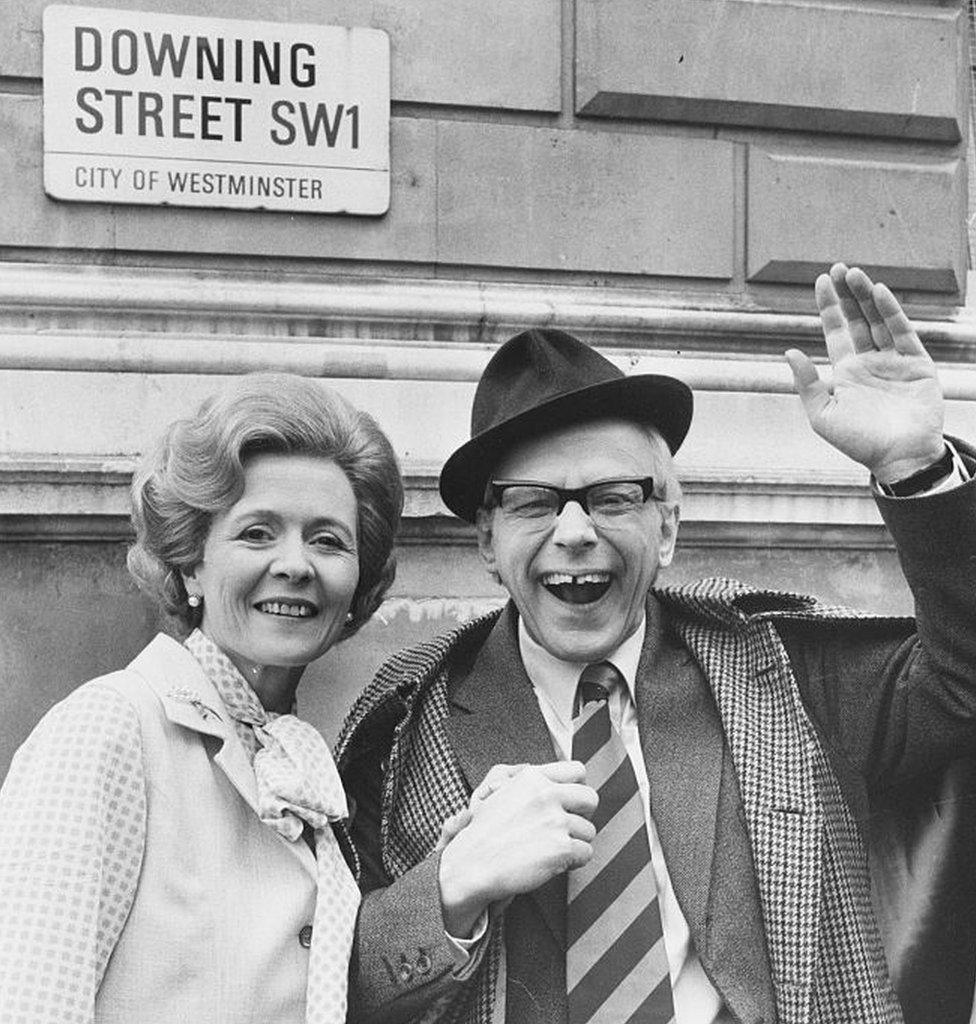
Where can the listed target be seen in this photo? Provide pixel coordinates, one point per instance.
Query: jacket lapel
(682, 742)
(697, 810)
(493, 715)
(494, 718)
(191, 701)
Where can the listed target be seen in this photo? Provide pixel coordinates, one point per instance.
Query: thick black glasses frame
(567, 494)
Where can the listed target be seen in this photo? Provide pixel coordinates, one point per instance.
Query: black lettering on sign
(94, 61)
(94, 126)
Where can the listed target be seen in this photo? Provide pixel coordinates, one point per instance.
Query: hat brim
(662, 402)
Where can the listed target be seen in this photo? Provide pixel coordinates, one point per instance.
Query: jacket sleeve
(893, 704)
(72, 832)
(403, 965)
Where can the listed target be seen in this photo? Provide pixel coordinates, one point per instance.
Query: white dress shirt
(696, 1000)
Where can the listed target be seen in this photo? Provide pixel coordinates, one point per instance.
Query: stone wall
(663, 178)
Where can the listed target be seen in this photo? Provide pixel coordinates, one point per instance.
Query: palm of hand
(880, 403)
(883, 407)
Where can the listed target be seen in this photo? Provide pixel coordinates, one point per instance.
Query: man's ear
(670, 515)
(484, 524)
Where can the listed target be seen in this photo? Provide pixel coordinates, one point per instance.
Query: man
(615, 804)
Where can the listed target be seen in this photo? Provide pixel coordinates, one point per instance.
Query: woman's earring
(349, 616)
(194, 600)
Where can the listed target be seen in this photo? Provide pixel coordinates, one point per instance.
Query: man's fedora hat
(542, 379)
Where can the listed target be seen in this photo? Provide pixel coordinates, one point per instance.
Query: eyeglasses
(606, 501)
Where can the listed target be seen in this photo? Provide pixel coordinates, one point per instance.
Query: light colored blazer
(137, 880)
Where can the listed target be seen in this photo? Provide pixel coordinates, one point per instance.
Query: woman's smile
(280, 568)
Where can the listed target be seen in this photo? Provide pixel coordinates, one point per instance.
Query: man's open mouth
(577, 588)
(288, 609)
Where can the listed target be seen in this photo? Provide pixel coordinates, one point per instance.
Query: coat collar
(191, 701)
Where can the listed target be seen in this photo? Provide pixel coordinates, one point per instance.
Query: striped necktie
(616, 966)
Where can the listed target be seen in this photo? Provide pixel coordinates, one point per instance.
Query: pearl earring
(194, 600)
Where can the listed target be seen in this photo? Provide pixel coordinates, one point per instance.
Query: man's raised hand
(884, 406)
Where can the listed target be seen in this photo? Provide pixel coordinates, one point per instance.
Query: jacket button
(404, 972)
(305, 936)
(423, 962)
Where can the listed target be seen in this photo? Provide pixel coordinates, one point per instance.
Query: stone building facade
(663, 178)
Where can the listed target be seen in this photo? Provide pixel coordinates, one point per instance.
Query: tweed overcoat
(887, 705)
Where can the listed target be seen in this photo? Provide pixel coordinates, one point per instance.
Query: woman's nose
(291, 560)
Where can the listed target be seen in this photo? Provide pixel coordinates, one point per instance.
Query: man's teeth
(558, 578)
(296, 611)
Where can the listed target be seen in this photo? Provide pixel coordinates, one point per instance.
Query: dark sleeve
(895, 709)
(890, 703)
(402, 962)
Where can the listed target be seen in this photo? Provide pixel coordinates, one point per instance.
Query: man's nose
(574, 528)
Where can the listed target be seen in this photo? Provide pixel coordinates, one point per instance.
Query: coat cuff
(402, 952)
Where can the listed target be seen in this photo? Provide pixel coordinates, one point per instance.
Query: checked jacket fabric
(832, 973)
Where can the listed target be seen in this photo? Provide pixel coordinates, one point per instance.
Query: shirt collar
(556, 679)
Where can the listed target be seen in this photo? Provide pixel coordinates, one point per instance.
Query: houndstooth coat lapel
(697, 810)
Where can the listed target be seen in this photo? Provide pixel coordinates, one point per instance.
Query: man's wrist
(923, 479)
(461, 907)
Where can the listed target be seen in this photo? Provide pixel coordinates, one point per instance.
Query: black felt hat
(542, 379)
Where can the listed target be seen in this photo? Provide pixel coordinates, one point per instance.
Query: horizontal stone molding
(81, 529)
(770, 64)
(81, 497)
(373, 360)
(63, 316)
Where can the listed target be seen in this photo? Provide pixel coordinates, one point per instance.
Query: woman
(166, 843)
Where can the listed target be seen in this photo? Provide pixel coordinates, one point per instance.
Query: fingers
(497, 776)
(833, 319)
(862, 288)
(577, 798)
(580, 853)
(814, 393)
(581, 828)
(564, 771)
(858, 315)
(903, 335)
(857, 325)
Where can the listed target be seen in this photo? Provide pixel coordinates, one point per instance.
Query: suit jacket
(131, 844)
(888, 708)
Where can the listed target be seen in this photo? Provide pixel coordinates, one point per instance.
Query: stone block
(903, 221)
(895, 71)
(454, 52)
(581, 200)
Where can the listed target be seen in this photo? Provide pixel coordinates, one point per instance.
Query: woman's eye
(328, 540)
(255, 534)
